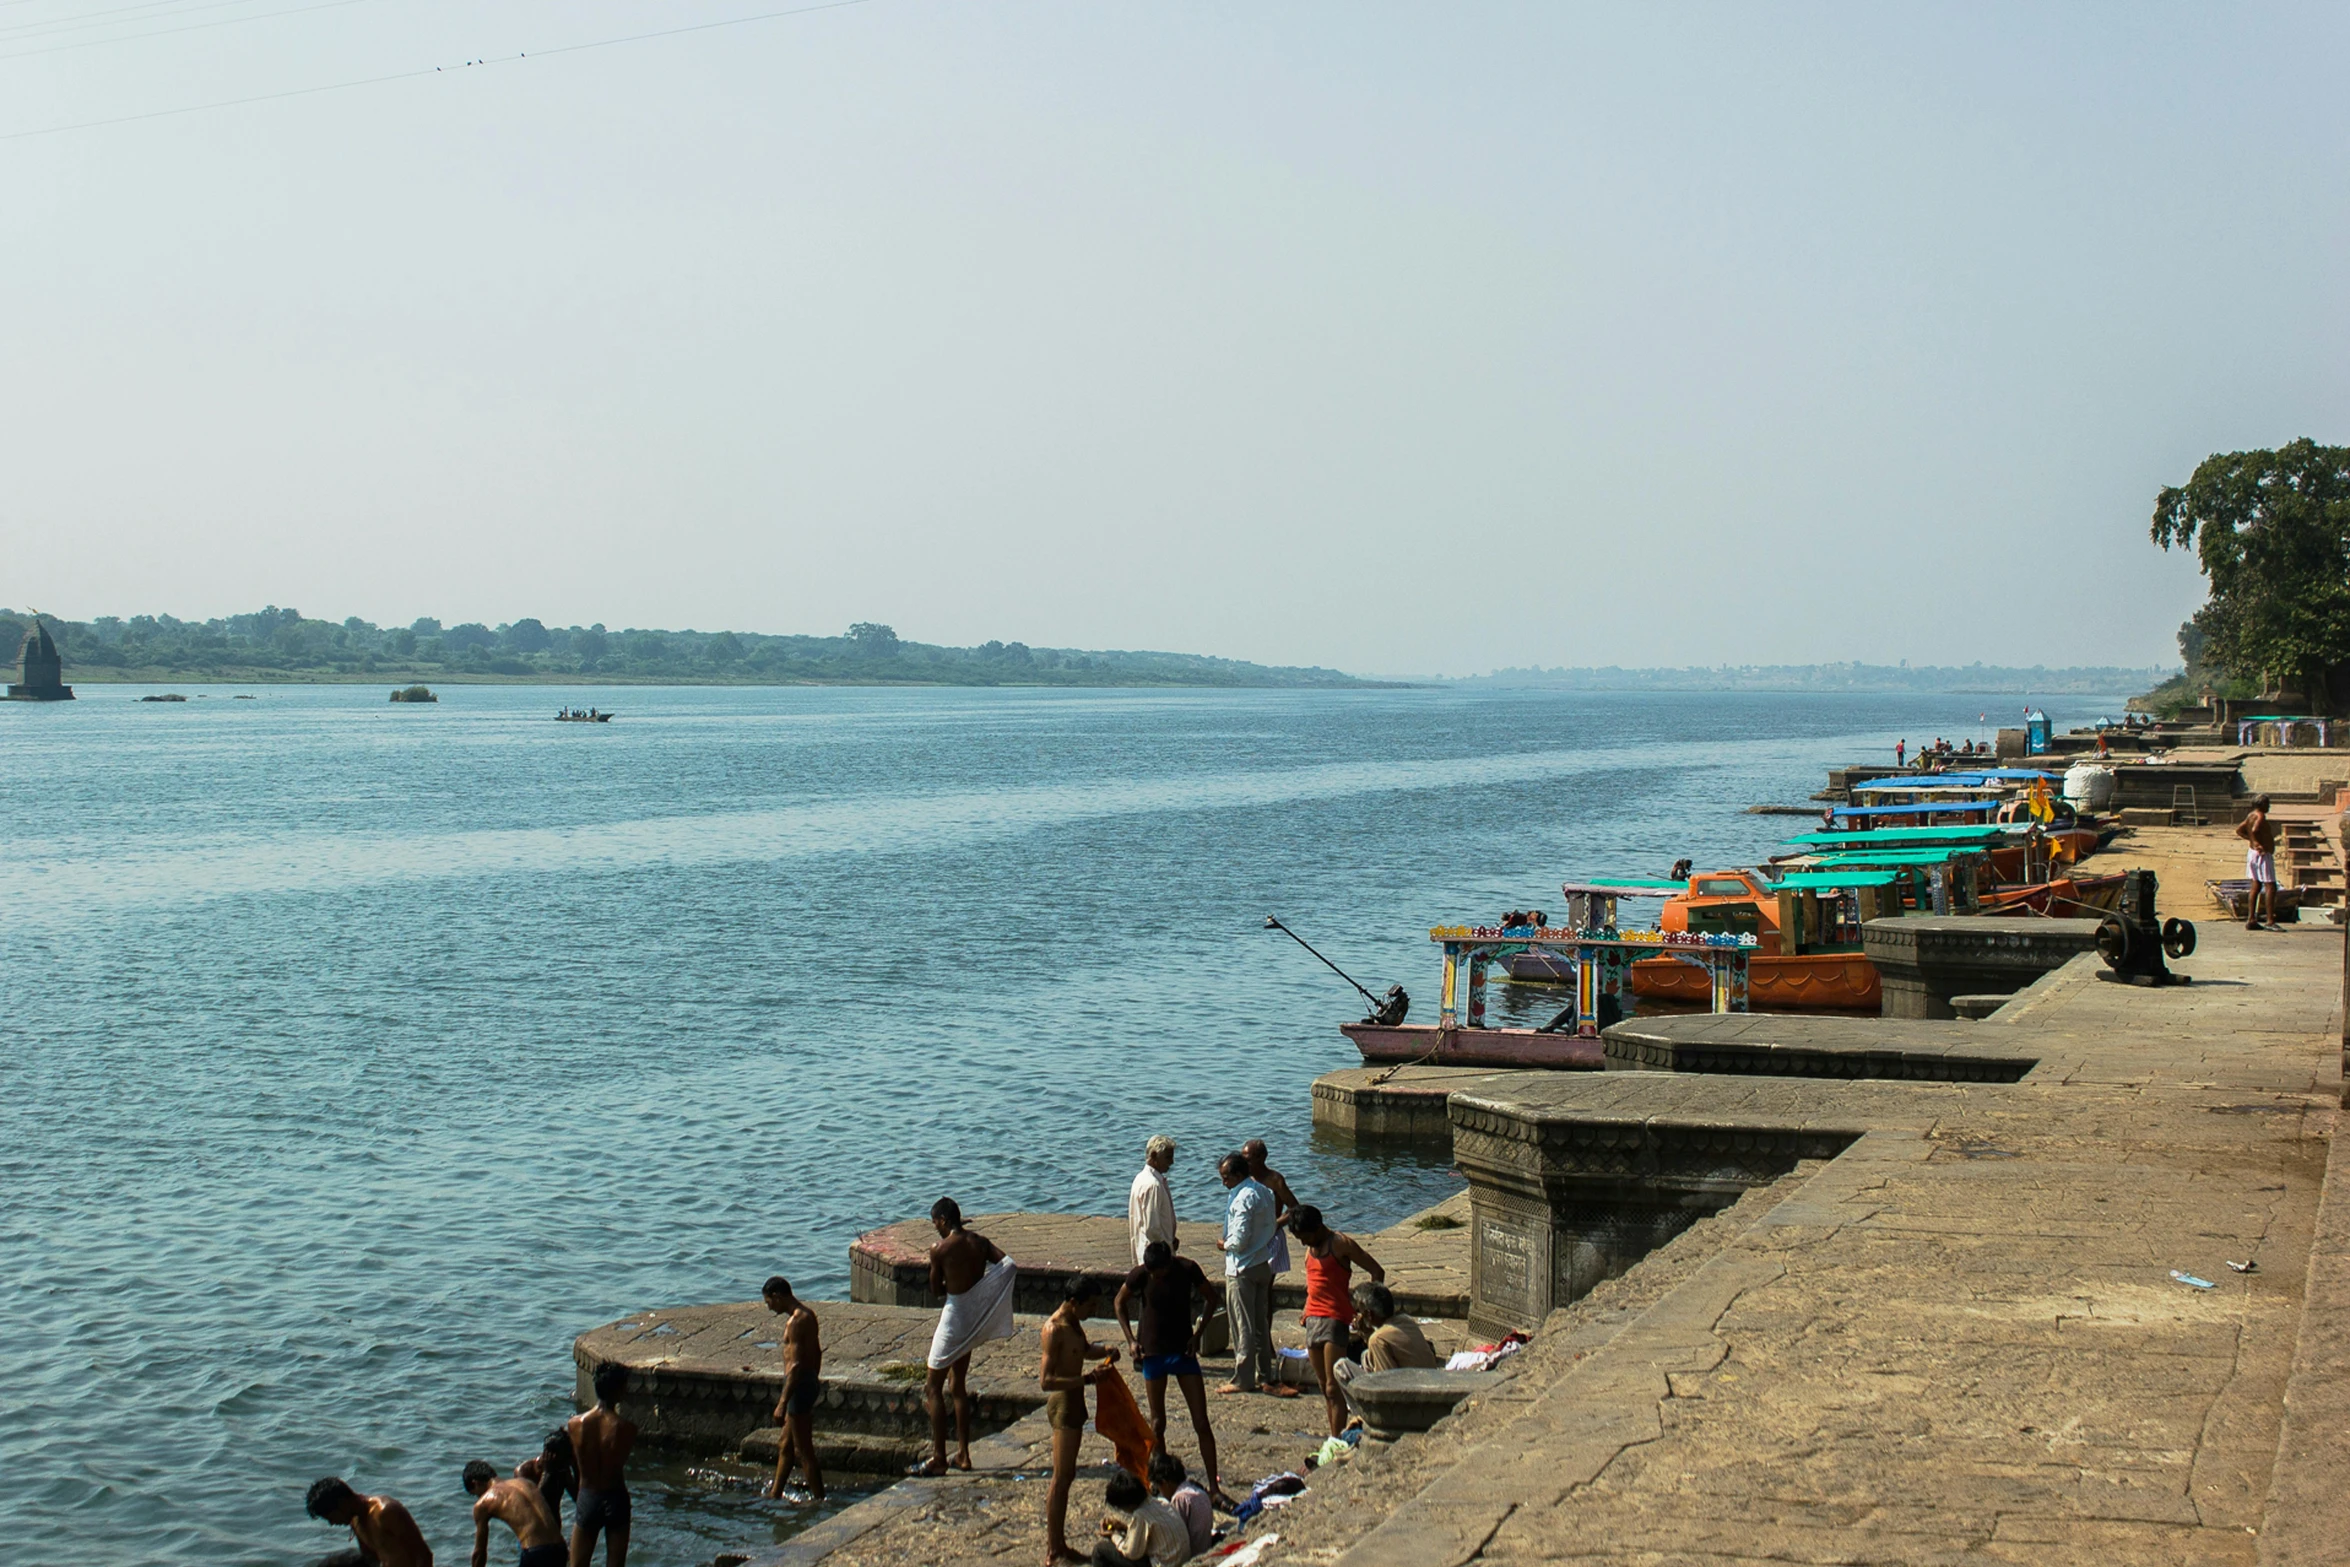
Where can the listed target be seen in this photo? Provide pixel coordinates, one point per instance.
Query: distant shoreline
(437, 679)
(434, 678)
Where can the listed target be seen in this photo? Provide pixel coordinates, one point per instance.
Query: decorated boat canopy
(1600, 963)
(1934, 785)
(1855, 837)
(1834, 880)
(1924, 808)
(1847, 858)
(1626, 887)
(1552, 936)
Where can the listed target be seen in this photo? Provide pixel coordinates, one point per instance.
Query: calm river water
(362, 1055)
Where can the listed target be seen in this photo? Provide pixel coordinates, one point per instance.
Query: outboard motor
(1390, 1011)
(2134, 941)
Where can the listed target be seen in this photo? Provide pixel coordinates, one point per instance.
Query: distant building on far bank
(44, 671)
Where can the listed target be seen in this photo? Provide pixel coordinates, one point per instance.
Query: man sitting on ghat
(1395, 1343)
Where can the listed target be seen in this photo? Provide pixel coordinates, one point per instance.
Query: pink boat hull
(1424, 1044)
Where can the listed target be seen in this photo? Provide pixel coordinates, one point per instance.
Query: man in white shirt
(1150, 1206)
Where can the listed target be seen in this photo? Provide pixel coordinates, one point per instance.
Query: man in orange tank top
(1331, 1259)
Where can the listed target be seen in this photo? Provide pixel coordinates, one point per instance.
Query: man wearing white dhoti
(975, 1279)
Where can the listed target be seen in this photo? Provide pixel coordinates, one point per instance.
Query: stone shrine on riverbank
(44, 671)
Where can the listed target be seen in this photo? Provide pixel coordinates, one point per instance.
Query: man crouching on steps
(1061, 1373)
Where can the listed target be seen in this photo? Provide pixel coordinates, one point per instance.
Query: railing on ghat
(1600, 964)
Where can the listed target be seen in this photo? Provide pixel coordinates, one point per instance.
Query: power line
(48, 25)
(165, 32)
(429, 70)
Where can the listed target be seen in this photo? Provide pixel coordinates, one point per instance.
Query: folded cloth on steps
(980, 1315)
(1484, 1356)
(1336, 1450)
(1270, 1491)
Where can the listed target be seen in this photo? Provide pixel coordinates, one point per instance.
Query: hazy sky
(1401, 338)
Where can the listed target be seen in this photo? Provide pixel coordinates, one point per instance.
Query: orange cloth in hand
(1117, 1417)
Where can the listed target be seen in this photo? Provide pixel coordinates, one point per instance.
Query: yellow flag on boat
(2042, 809)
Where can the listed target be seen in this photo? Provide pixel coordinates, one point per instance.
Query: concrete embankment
(1961, 1336)
(1876, 1317)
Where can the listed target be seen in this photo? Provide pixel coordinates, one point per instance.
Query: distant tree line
(285, 644)
(1954, 679)
(2271, 531)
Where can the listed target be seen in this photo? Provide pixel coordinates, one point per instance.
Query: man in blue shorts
(1176, 1304)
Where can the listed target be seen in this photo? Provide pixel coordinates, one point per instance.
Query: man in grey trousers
(1249, 1238)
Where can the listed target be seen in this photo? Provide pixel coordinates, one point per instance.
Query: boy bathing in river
(600, 1442)
(518, 1505)
(386, 1535)
(795, 1411)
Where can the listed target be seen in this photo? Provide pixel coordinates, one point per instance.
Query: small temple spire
(44, 671)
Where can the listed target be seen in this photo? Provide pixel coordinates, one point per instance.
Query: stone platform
(1426, 1258)
(1393, 1103)
(706, 1377)
(1922, 961)
(1785, 1045)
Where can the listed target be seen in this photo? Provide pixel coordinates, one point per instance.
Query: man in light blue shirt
(1249, 1237)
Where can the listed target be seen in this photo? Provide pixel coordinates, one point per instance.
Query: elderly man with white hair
(1150, 1206)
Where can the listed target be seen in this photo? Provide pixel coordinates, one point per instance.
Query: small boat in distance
(574, 715)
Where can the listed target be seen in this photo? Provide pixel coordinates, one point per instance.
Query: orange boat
(1826, 972)
(2067, 897)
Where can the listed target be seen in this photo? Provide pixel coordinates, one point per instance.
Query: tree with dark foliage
(2271, 530)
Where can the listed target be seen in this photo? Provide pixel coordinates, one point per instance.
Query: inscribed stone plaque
(1505, 1271)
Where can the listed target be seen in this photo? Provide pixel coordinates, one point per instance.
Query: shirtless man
(795, 1411)
(1284, 1200)
(518, 1505)
(1061, 1373)
(1172, 1296)
(956, 1263)
(387, 1536)
(552, 1472)
(600, 1441)
(2260, 861)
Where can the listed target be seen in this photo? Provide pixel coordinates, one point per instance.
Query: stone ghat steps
(1426, 1257)
(1394, 1103)
(867, 1449)
(706, 1377)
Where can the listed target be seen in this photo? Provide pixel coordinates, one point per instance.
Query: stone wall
(1922, 962)
(1559, 1204)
